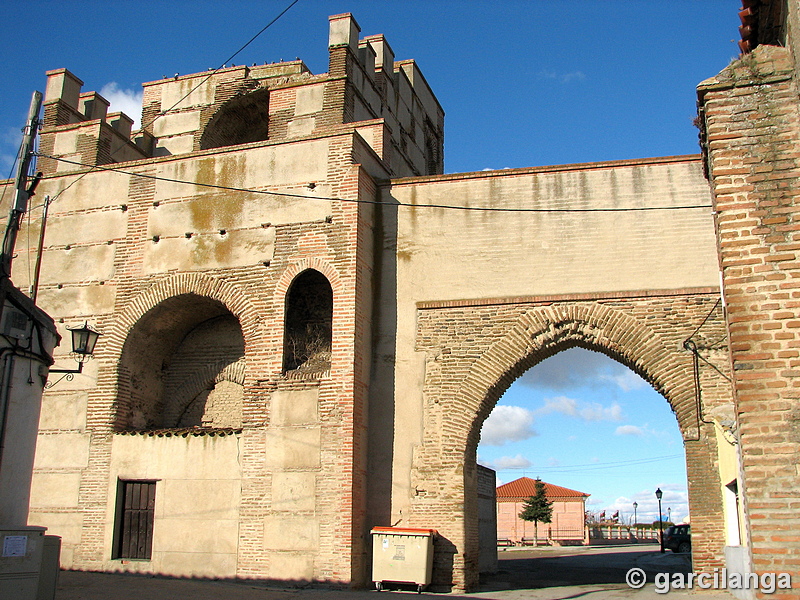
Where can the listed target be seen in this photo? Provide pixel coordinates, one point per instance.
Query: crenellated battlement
(394, 108)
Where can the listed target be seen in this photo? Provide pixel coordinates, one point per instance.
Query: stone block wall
(179, 277)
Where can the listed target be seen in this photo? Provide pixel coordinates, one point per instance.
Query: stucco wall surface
(439, 254)
(198, 491)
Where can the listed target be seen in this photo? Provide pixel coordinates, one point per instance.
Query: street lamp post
(635, 521)
(659, 493)
(669, 515)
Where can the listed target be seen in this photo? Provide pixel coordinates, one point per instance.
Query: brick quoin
(751, 136)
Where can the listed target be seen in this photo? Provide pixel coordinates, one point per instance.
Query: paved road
(544, 574)
(581, 565)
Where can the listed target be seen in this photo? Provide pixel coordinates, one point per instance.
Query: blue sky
(522, 82)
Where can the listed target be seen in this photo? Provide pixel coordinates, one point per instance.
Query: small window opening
(309, 318)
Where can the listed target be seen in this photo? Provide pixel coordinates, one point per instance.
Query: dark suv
(678, 538)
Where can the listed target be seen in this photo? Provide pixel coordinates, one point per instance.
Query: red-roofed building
(567, 525)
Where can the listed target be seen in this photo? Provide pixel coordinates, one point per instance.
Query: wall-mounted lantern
(84, 339)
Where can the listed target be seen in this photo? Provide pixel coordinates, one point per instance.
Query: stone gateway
(305, 323)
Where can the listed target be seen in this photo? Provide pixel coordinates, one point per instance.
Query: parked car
(678, 538)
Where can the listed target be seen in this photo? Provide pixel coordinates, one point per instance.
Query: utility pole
(23, 190)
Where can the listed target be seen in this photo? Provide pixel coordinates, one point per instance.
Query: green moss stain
(218, 210)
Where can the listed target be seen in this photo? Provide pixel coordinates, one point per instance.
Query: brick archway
(474, 353)
(198, 285)
(230, 295)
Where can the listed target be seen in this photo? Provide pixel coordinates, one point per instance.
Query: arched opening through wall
(601, 440)
(308, 330)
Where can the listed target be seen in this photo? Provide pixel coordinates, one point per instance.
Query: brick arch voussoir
(544, 331)
(233, 297)
(197, 382)
(294, 269)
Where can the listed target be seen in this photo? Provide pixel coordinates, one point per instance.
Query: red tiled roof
(525, 487)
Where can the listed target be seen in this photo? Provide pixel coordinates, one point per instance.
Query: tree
(538, 509)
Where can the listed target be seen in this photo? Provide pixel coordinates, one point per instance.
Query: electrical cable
(601, 466)
(362, 201)
(11, 175)
(708, 316)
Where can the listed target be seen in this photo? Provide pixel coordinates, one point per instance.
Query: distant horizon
(574, 420)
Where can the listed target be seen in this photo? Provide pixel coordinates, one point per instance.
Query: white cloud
(586, 411)
(507, 424)
(626, 380)
(571, 368)
(563, 77)
(127, 101)
(510, 462)
(629, 430)
(578, 367)
(674, 504)
(640, 431)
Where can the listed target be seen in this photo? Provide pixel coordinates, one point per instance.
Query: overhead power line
(597, 466)
(99, 168)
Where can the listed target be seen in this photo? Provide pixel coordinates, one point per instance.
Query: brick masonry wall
(751, 130)
(255, 295)
(475, 350)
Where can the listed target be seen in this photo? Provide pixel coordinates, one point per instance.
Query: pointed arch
(544, 331)
(474, 351)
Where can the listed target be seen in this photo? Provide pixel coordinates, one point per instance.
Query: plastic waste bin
(401, 555)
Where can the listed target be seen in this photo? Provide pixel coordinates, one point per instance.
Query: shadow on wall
(381, 432)
(444, 552)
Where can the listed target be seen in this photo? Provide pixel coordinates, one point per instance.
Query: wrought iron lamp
(84, 339)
